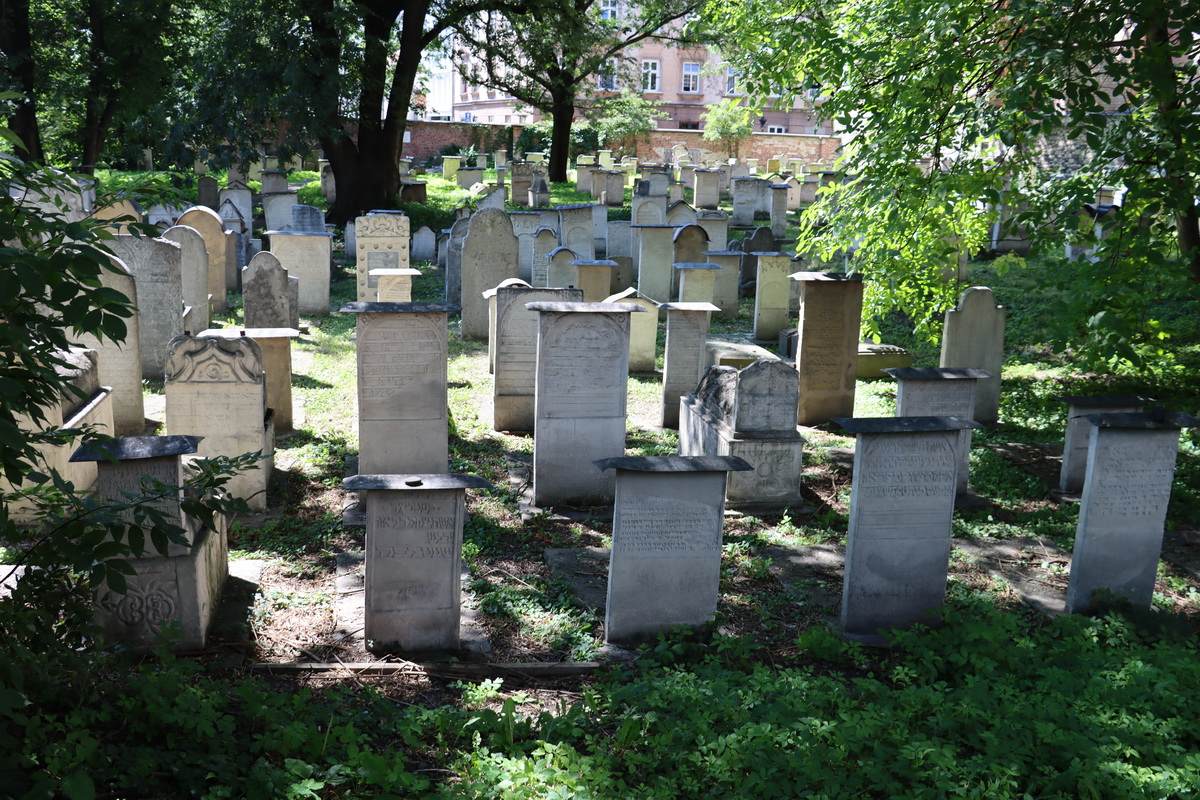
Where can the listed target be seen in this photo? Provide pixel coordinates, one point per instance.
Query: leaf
(78, 786)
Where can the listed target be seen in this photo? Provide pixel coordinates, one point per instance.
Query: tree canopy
(956, 110)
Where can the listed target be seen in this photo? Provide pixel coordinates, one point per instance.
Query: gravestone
(759, 240)
(938, 392)
(277, 210)
(901, 508)
(582, 372)
(716, 225)
(643, 332)
(274, 181)
(745, 201)
(522, 178)
(725, 282)
(207, 190)
(772, 291)
(516, 353)
(525, 225)
(450, 166)
(618, 241)
(680, 213)
(827, 344)
(154, 264)
(1079, 432)
(706, 192)
(215, 389)
(193, 274)
(561, 272)
(276, 347)
(394, 285)
(1118, 539)
(443, 245)
(265, 293)
(594, 278)
(489, 256)
(454, 248)
(665, 568)
(777, 200)
(307, 256)
(466, 177)
(683, 358)
(974, 337)
(654, 261)
(181, 587)
(690, 242)
(578, 233)
(381, 241)
(424, 244)
(220, 261)
(696, 281)
(490, 297)
(413, 558)
(402, 408)
(232, 211)
(539, 190)
(545, 242)
(308, 218)
(119, 365)
(748, 413)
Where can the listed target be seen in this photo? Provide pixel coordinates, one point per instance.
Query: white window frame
(691, 76)
(606, 80)
(776, 129)
(610, 9)
(731, 76)
(651, 76)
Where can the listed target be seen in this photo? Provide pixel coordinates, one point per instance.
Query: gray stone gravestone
(489, 256)
(424, 244)
(516, 353)
(683, 359)
(154, 264)
(381, 241)
(1079, 433)
(276, 347)
(307, 256)
(193, 274)
(974, 337)
(308, 218)
(656, 254)
(827, 344)
(120, 363)
(578, 233)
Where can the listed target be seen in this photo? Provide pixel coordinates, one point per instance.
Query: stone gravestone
(901, 508)
(778, 210)
(215, 389)
(937, 392)
(657, 253)
(681, 213)
(237, 201)
(208, 192)
(306, 256)
(706, 192)
(827, 344)
(424, 244)
(193, 275)
(1079, 433)
(220, 261)
(182, 586)
(490, 296)
(454, 248)
(697, 281)
(689, 243)
(582, 373)
(516, 353)
(522, 178)
(276, 347)
(381, 241)
(683, 358)
(155, 267)
(119, 365)
(402, 410)
(308, 218)
(525, 226)
(594, 277)
(562, 272)
(974, 337)
(748, 413)
(760, 240)
(1130, 468)
(725, 282)
(716, 225)
(394, 285)
(489, 256)
(545, 242)
(643, 332)
(578, 233)
(771, 295)
(265, 293)
(665, 568)
(414, 558)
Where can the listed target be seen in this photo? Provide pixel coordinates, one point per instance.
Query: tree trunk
(1187, 228)
(16, 42)
(563, 112)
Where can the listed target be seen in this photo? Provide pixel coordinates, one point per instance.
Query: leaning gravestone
(216, 389)
(683, 359)
(827, 344)
(308, 218)
(454, 249)
(414, 558)
(974, 337)
(1130, 468)
(155, 267)
(665, 567)
(901, 508)
(120, 363)
(265, 293)
(381, 241)
(1079, 433)
(489, 256)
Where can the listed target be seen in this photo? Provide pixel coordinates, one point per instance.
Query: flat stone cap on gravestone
(937, 373)
(399, 308)
(761, 253)
(675, 464)
(251, 333)
(297, 233)
(706, 169)
(1103, 401)
(414, 482)
(583, 308)
(573, 206)
(690, 306)
(630, 292)
(655, 226)
(524, 213)
(823, 276)
(780, 186)
(593, 262)
(394, 271)
(721, 253)
(132, 448)
(387, 211)
(695, 265)
(506, 284)
(1151, 421)
(858, 425)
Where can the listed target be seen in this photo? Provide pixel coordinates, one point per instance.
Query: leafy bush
(311, 194)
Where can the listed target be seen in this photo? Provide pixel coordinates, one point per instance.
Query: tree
(551, 60)
(729, 123)
(950, 107)
(625, 119)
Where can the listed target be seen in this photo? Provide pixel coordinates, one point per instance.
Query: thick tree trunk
(16, 42)
(563, 112)
(1187, 228)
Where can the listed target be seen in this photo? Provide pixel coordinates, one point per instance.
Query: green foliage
(147, 188)
(311, 194)
(729, 123)
(624, 120)
(535, 138)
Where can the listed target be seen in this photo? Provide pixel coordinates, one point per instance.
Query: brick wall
(426, 139)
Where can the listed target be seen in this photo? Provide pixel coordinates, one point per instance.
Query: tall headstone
(1079, 433)
(665, 568)
(545, 242)
(974, 337)
(525, 226)
(716, 225)
(307, 256)
(778, 210)
(901, 508)
(575, 223)
(454, 248)
(595, 278)
(308, 218)
(414, 559)
(276, 347)
(697, 281)
(561, 272)
(657, 251)
(582, 373)
(265, 293)
(120, 363)
(643, 332)
(424, 244)
(706, 192)
(489, 256)
(684, 356)
(402, 409)
(155, 267)
(827, 344)
(220, 262)
(193, 274)
(725, 283)
(522, 178)
(1130, 469)
(216, 389)
(381, 241)
(772, 292)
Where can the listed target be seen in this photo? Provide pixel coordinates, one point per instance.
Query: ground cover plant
(999, 702)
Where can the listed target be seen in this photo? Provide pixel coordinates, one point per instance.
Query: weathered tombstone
(516, 353)
(119, 365)
(489, 255)
(614, 187)
(696, 281)
(466, 177)
(618, 240)
(643, 332)
(306, 256)
(561, 272)
(454, 248)
(745, 201)
(657, 250)
(539, 190)
(413, 582)
(748, 413)
(381, 241)
(1079, 432)
(277, 210)
(772, 290)
(231, 210)
(182, 586)
(901, 508)
(725, 281)
(683, 358)
(1130, 468)
(154, 264)
(522, 178)
(424, 244)
(938, 392)
(443, 245)
(207, 190)
(545, 242)
(394, 285)
(974, 337)
(778, 210)
(689, 242)
(490, 297)
(274, 181)
(716, 225)
(680, 213)
(760, 240)
(308, 218)
(575, 223)
(220, 262)
(706, 192)
(450, 165)
(525, 225)
(402, 410)
(215, 389)
(582, 372)
(583, 178)
(193, 274)
(594, 278)
(827, 346)
(665, 568)
(276, 347)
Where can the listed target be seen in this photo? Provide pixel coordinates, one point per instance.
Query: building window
(650, 76)
(776, 129)
(606, 80)
(691, 76)
(731, 76)
(609, 10)
(689, 126)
